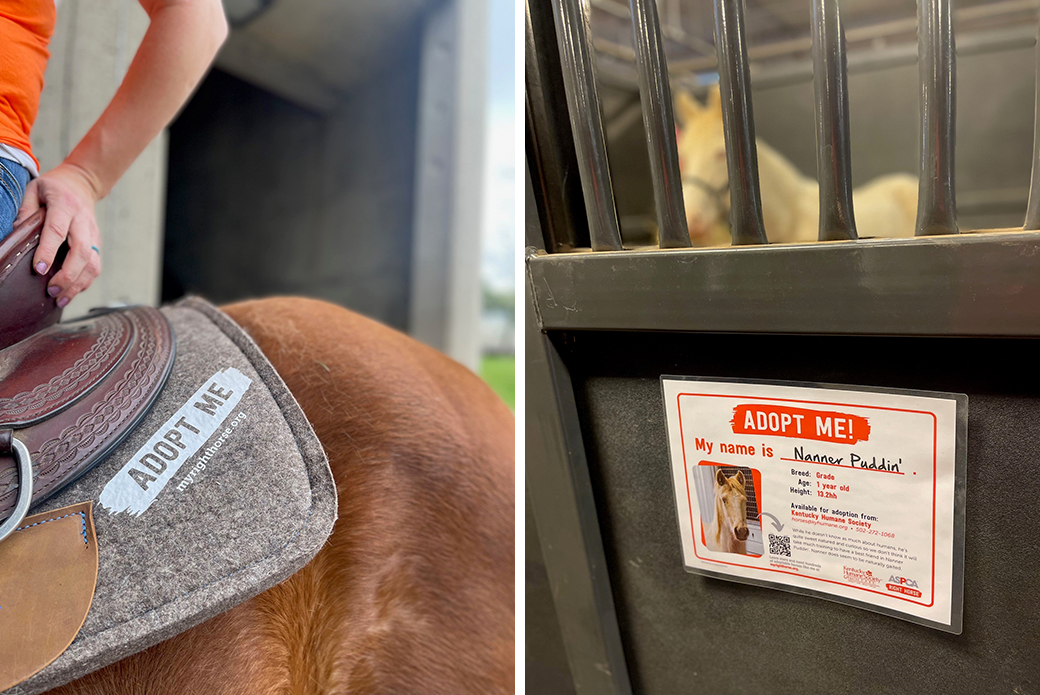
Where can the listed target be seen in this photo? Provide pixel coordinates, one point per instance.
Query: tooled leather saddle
(69, 392)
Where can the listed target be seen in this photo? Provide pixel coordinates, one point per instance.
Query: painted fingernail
(54, 290)
(62, 302)
(41, 267)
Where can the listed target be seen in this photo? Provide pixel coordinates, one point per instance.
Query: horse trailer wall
(685, 633)
(957, 312)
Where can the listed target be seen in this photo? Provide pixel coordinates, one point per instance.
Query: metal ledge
(978, 284)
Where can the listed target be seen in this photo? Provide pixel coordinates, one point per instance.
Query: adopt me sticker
(843, 492)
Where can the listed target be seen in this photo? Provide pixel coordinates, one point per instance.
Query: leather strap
(48, 573)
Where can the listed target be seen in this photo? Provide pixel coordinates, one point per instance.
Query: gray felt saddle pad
(248, 501)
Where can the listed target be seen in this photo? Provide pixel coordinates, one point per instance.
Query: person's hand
(69, 195)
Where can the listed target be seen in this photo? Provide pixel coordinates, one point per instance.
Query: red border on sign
(935, 469)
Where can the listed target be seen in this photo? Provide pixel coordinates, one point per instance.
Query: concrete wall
(445, 294)
(374, 204)
(91, 49)
(266, 197)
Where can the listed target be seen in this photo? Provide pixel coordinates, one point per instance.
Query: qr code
(779, 545)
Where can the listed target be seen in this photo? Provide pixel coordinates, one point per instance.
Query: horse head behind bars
(884, 207)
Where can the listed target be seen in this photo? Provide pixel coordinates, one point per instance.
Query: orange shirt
(25, 30)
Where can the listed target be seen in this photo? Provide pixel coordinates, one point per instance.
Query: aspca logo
(903, 585)
(902, 581)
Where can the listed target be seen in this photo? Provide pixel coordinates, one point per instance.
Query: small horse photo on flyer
(730, 502)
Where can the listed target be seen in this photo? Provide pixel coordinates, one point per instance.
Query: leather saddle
(69, 392)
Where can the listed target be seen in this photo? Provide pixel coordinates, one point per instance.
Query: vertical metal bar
(532, 224)
(550, 143)
(579, 79)
(738, 122)
(565, 513)
(656, 96)
(1033, 206)
(936, 58)
(833, 158)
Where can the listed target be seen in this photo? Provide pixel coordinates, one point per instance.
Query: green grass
(499, 371)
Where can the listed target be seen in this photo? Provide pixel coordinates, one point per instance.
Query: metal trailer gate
(944, 311)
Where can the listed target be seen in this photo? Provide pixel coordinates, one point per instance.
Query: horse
(728, 531)
(413, 592)
(884, 207)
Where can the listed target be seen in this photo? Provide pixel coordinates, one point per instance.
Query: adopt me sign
(843, 492)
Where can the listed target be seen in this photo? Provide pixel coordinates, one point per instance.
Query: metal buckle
(25, 483)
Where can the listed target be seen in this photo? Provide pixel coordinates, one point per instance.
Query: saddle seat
(69, 392)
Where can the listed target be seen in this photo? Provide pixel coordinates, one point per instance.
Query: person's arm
(182, 38)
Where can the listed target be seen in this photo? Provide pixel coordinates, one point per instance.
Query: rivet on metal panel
(579, 79)
(738, 122)
(936, 203)
(656, 96)
(833, 158)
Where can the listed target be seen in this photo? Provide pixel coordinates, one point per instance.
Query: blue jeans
(13, 180)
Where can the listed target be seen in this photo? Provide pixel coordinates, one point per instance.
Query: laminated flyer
(848, 493)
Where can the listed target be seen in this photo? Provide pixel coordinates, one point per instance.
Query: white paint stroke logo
(144, 476)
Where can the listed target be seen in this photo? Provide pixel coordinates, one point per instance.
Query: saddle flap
(51, 370)
(44, 602)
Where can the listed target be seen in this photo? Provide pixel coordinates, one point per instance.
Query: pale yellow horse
(884, 207)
